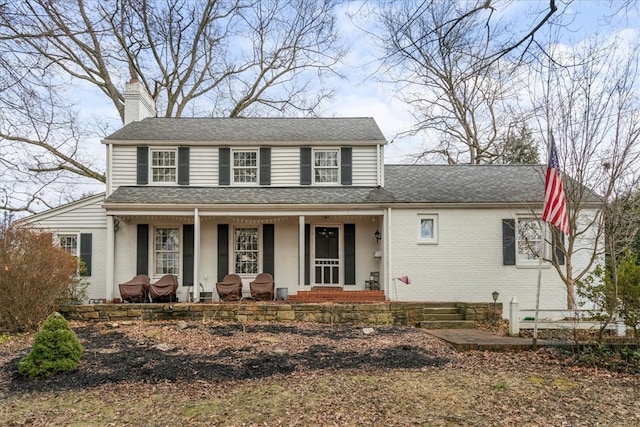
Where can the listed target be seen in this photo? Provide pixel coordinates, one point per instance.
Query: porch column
(301, 244)
(110, 261)
(196, 255)
(386, 254)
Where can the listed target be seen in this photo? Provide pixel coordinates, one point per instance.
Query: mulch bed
(156, 352)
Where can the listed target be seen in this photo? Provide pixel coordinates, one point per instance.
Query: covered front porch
(333, 250)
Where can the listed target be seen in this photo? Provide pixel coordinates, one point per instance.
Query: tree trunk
(571, 302)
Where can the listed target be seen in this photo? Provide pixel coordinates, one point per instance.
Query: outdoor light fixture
(378, 235)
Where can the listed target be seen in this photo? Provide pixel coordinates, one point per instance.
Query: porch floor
(331, 294)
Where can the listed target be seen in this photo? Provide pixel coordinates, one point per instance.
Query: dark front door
(327, 256)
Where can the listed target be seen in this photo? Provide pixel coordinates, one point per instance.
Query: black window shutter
(268, 255)
(187, 254)
(346, 168)
(224, 166)
(85, 252)
(558, 245)
(142, 175)
(305, 166)
(265, 166)
(307, 254)
(349, 254)
(223, 250)
(509, 241)
(142, 255)
(183, 165)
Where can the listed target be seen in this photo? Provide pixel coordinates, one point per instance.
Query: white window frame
(315, 167)
(242, 253)
(525, 256)
(427, 229)
(153, 167)
(235, 167)
(75, 236)
(159, 269)
(76, 254)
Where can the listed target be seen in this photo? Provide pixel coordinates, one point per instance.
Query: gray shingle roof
(466, 183)
(250, 196)
(456, 184)
(250, 129)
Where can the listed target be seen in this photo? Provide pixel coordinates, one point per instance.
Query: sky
(361, 94)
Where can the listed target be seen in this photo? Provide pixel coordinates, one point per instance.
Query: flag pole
(534, 345)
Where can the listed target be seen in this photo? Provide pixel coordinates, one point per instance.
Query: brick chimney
(138, 104)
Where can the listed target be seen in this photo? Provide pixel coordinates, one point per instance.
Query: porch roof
(247, 195)
(404, 184)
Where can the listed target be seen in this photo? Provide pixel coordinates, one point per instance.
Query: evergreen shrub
(56, 349)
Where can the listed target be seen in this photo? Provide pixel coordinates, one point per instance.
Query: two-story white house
(308, 200)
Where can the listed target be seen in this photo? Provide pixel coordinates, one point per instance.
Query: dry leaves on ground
(199, 373)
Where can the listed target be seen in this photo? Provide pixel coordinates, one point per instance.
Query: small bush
(35, 275)
(618, 358)
(56, 349)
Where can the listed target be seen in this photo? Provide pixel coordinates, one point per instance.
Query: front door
(327, 256)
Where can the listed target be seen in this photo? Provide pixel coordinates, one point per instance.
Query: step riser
(454, 324)
(319, 295)
(441, 310)
(443, 317)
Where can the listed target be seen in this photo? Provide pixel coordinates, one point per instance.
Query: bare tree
(195, 57)
(591, 103)
(445, 58)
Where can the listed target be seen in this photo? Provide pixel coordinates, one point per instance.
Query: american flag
(555, 204)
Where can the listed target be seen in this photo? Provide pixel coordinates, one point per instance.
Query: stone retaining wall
(386, 313)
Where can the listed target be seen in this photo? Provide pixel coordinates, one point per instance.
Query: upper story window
(529, 240)
(163, 166)
(245, 166)
(325, 166)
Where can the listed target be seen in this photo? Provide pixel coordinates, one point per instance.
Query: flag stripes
(555, 204)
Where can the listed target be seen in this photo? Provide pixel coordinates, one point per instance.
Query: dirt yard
(215, 374)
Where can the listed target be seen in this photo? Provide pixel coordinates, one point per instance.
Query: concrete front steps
(329, 294)
(445, 315)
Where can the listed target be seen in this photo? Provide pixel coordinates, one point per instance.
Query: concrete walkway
(474, 339)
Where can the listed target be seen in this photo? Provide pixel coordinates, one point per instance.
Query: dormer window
(325, 166)
(245, 166)
(164, 166)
